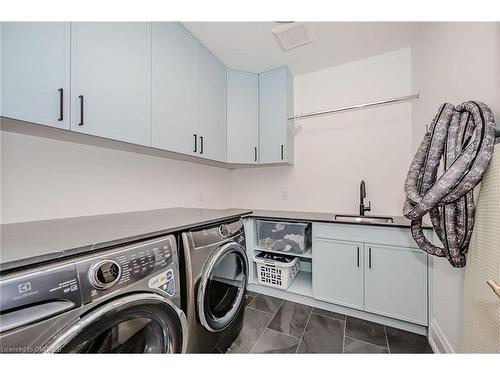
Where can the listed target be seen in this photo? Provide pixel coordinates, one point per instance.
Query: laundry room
(289, 182)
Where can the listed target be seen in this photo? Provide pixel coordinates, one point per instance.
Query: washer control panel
(213, 235)
(34, 287)
(165, 281)
(107, 272)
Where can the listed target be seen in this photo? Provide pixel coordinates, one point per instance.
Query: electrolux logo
(24, 287)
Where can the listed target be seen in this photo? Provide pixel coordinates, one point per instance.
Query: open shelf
(302, 284)
(307, 254)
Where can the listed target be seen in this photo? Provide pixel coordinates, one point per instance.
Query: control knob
(223, 231)
(104, 274)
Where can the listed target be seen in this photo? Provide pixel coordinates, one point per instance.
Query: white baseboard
(437, 339)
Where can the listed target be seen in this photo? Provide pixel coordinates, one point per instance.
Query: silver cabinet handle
(370, 257)
(495, 286)
(358, 257)
(195, 143)
(282, 152)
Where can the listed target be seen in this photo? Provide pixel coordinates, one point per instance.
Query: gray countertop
(33, 242)
(326, 217)
(28, 243)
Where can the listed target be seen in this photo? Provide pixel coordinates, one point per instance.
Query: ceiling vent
(292, 35)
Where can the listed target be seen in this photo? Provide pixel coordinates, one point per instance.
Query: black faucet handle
(369, 208)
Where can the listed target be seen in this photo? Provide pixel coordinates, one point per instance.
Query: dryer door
(222, 287)
(137, 323)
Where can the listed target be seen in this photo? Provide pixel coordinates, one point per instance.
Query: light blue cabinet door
(337, 272)
(35, 68)
(275, 106)
(111, 80)
(396, 282)
(173, 118)
(242, 117)
(210, 105)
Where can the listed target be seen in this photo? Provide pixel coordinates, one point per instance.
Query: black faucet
(362, 195)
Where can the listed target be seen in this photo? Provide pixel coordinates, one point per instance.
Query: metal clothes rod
(355, 107)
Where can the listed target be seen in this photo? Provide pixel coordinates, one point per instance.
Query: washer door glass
(222, 288)
(133, 324)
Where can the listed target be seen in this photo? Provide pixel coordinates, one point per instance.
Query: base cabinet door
(35, 74)
(337, 272)
(111, 80)
(396, 282)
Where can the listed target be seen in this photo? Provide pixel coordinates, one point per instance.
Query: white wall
(44, 179)
(333, 153)
(452, 62)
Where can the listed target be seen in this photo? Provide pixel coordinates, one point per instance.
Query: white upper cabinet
(173, 83)
(111, 80)
(242, 117)
(275, 106)
(151, 84)
(35, 72)
(210, 105)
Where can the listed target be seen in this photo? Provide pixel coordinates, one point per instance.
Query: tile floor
(272, 325)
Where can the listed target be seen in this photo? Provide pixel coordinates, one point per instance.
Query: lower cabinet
(396, 282)
(353, 267)
(338, 272)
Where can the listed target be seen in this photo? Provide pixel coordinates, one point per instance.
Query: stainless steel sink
(365, 219)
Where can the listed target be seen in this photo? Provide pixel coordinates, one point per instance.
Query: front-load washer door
(222, 287)
(136, 323)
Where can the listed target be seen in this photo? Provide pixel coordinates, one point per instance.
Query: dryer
(120, 300)
(216, 274)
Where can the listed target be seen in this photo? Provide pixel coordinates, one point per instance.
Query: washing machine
(216, 274)
(121, 300)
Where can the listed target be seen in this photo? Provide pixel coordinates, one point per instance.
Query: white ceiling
(251, 46)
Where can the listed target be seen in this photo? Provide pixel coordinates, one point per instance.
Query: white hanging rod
(355, 107)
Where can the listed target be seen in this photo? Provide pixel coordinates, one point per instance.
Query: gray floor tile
(248, 298)
(275, 342)
(406, 342)
(329, 314)
(252, 294)
(266, 303)
(356, 346)
(254, 323)
(363, 330)
(291, 319)
(322, 335)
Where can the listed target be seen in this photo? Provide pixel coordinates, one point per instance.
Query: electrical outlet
(284, 195)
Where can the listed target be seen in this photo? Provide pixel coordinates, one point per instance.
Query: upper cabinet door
(173, 88)
(111, 80)
(35, 72)
(210, 105)
(276, 105)
(242, 117)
